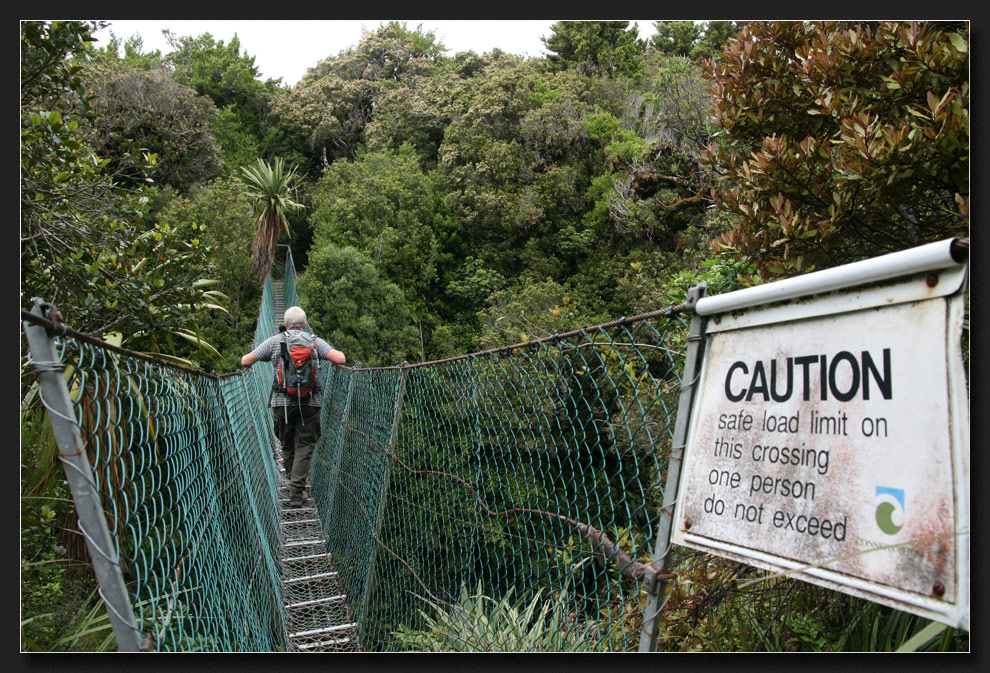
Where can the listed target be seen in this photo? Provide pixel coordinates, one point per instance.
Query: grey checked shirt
(270, 351)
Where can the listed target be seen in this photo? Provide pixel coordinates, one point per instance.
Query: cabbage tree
(273, 188)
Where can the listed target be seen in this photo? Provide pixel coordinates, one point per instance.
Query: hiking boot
(295, 501)
(305, 496)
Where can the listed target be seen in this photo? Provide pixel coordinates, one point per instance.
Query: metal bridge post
(692, 363)
(78, 472)
(393, 439)
(345, 417)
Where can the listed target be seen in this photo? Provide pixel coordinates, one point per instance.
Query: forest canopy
(628, 162)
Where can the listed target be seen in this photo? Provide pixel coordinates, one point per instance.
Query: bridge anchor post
(78, 472)
(655, 585)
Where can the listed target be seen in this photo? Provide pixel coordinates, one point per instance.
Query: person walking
(295, 397)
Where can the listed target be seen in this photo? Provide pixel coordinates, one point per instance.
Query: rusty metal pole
(692, 365)
(79, 474)
(393, 439)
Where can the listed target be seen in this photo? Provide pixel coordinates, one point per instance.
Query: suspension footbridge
(534, 470)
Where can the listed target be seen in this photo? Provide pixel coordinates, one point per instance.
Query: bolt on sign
(829, 434)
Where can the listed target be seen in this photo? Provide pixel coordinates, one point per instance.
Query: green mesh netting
(441, 489)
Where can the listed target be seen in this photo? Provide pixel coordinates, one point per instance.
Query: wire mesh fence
(525, 476)
(533, 471)
(179, 461)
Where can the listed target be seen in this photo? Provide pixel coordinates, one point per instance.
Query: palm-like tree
(273, 189)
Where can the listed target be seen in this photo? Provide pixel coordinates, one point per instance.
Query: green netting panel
(183, 469)
(266, 315)
(289, 286)
(499, 459)
(349, 476)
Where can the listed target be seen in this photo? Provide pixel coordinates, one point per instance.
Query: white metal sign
(830, 436)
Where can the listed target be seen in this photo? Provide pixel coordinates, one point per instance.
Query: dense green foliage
(226, 225)
(596, 47)
(148, 109)
(87, 244)
(381, 204)
(854, 143)
(471, 181)
(446, 203)
(354, 307)
(692, 39)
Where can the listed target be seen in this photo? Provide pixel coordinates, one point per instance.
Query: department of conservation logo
(890, 509)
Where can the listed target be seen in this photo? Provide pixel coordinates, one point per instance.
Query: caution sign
(831, 439)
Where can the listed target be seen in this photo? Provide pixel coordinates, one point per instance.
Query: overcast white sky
(286, 48)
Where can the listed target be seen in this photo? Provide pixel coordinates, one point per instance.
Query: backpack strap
(284, 348)
(284, 356)
(317, 383)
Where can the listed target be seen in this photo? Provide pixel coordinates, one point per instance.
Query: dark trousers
(298, 428)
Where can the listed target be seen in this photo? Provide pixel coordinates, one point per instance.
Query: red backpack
(297, 368)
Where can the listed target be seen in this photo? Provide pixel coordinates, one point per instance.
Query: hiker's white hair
(295, 317)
